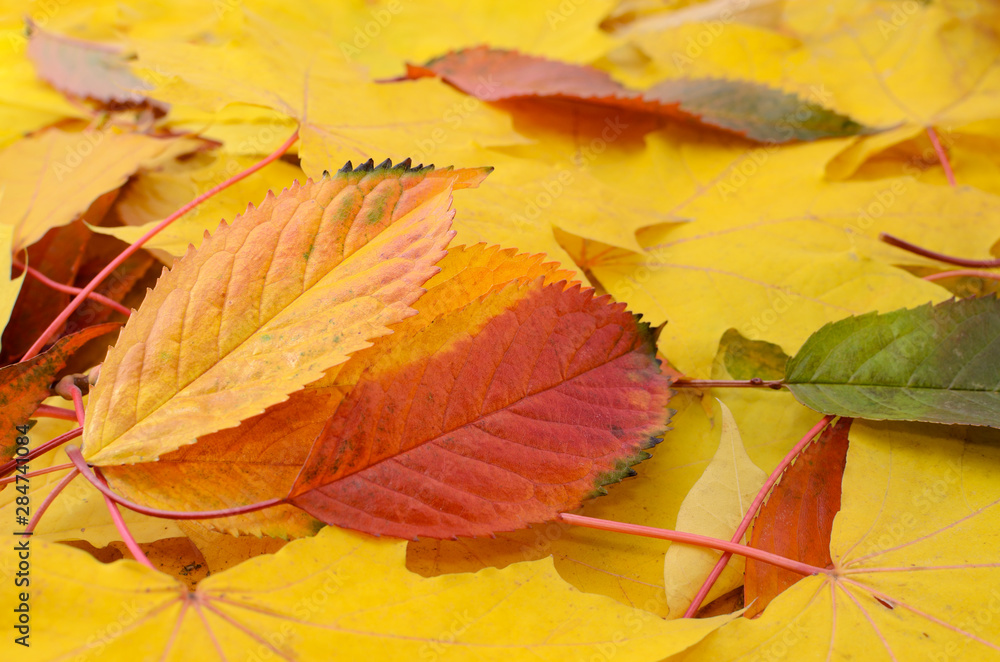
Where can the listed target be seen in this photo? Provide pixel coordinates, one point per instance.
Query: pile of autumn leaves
(335, 351)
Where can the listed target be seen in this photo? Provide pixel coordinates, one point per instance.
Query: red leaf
(501, 414)
(749, 109)
(797, 519)
(24, 385)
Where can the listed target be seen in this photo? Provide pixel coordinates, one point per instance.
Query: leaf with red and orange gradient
(797, 519)
(749, 109)
(498, 415)
(24, 385)
(268, 304)
(261, 458)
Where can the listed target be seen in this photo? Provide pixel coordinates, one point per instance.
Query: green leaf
(742, 358)
(934, 363)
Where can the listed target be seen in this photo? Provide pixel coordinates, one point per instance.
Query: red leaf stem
(941, 257)
(69, 289)
(7, 467)
(942, 155)
(39, 472)
(692, 539)
(134, 247)
(49, 411)
(50, 498)
(720, 565)
(75, 456)
(123, 531)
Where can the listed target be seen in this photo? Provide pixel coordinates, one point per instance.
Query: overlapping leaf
(82, 164)
(232, 328)
(317, 595)
(915, 544)
(261, 458)
(713, 507)
(797, 520)
(748, 109)
(505, 413)
(23, 386)
(84, 68)
(933, 363)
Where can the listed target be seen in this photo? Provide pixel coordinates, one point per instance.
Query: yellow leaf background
(701, 230)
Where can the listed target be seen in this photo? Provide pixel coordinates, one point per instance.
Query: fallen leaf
(509, 412)
(261, 458)
(740, 358)
(933, 363)
(384, 34)
(254, 325)
(82, 164)
(747, 109)
(26, 103)
(797, 520)
(84, 68)
(915, 547)
(713, 507)
(24, 385)
(784, 270)
(316, 595)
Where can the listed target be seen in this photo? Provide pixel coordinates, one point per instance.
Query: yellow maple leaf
(317, 595)
(753, 258)
(82, 165)
(914, 549)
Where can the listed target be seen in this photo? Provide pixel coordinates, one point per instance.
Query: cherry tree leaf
(749, 109)
(502, 414)
(933, 363)
(269, 303)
